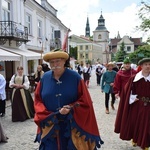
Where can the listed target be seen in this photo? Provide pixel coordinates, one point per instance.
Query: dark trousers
(2, 106)
(98, 79)
(107, 95)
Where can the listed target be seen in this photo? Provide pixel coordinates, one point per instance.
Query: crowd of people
(130, 84)
(64, 118)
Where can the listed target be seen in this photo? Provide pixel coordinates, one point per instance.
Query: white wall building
(27, 30)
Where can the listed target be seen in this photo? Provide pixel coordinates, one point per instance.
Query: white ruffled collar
(140, 76)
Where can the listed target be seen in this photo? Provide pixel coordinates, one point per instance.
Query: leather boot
(112, 106)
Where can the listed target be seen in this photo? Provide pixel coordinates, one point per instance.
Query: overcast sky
(119, 15)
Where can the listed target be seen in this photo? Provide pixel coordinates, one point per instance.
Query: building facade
(130, 44)
(87, 49)
(101, 36)
(27, 31)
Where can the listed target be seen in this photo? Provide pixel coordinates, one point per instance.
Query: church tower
(101, 36)
(87, 29)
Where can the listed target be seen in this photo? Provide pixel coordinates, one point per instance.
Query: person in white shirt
(3, 137)
(2, 95)
(87, 74)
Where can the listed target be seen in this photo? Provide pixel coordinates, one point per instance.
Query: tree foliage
(73, 52)
(141, 52)
(121, 54)
(144, 15)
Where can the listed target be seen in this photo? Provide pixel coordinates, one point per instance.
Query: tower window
(99, 36)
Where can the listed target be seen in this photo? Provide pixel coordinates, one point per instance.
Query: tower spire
(87, 29)
(101, 23)
(118, 36)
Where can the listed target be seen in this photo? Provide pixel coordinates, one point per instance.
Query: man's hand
(136, 99)
(117, 95)
(111, 84)
(65, 110)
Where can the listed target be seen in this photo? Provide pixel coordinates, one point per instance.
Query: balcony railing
(10, 30)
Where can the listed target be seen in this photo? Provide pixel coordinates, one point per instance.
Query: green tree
(73, 52)
(121, 54)
(144, 15)
(141, 52)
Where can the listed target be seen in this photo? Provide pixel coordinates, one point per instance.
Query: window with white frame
(39, 28)
(86, 56)
(86, 47)
(81, 56)
(128, 48)
(5, 10)
(29, 23)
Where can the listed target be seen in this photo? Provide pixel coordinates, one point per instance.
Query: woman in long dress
(22, 102)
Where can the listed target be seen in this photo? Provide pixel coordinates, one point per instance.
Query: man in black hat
(135, 121)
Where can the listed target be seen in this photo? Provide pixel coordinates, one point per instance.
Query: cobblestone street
(22, 134)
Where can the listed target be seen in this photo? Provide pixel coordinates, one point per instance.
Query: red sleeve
(117, 84)
(40, 110)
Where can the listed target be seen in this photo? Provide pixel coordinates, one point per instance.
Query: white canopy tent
(8, 56)
(25, 56)
(30, 55)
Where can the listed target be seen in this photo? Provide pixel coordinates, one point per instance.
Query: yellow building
(87, 50)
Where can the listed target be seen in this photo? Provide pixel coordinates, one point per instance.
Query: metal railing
(11, 29)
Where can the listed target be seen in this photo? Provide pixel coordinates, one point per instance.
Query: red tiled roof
(114, 41)
(137, 41)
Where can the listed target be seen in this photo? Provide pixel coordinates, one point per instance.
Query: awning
(8, 56)
(30, 55)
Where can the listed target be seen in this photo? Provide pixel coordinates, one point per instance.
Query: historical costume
(80, 69)
(2, 95)
(22, 102)
(122, 77)
(98, 74)
(38, 75)
(115, 68)
(3, 137)
(135, 122)
(87, 74)
(75, 130)
(107, 86)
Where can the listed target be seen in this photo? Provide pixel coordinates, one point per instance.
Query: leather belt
(144, 99)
